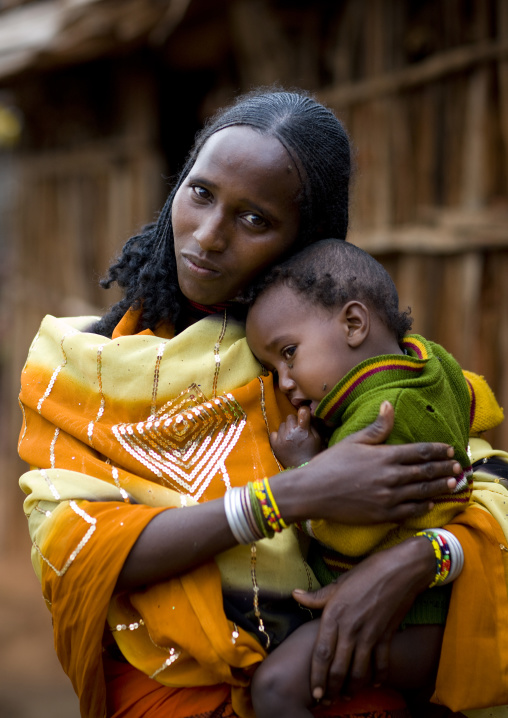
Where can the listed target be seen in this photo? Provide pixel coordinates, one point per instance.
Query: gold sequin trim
(160, 352)
(56, 372)
(52, 448)
(51, 485)
(128, 626)
(188, 441)
(88, 535)
(265, 417)
(255, 587)
(225, 478)
(234, 634)
(103, 399)
(123, 493)
(173, 656)
(217, 354)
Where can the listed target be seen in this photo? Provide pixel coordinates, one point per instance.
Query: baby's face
(303, 343)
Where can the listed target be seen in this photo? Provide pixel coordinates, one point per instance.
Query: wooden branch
(451, 233)
(434, 68)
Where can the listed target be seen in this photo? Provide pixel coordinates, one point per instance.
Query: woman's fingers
(326, 641)
(382, 660)
(421, 490)
(336, 666)
(426, 453)
(317, 599)
(379, 430)
(328, 666)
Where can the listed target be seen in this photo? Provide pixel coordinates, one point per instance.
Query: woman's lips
(200, 267)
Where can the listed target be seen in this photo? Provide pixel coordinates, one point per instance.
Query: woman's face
(235, 213)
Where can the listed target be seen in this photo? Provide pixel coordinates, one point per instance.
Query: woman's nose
(210, 234)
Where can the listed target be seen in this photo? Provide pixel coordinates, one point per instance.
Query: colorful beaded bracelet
(269, 508)
(437, 538)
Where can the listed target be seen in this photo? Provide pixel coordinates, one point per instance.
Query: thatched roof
(48, 33)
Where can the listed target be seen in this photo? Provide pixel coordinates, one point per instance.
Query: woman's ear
(355, 318)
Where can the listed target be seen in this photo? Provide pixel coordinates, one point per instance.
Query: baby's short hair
(331, 273)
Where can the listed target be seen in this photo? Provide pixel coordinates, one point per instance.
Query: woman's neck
(193, 312)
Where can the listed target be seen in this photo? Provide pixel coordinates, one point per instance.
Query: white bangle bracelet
(240, 516)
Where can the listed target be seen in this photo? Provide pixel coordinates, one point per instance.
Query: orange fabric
(473, 670)
(128, 324)
(79, 601)
(131, 694)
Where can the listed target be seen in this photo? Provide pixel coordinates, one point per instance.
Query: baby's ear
(356, 320)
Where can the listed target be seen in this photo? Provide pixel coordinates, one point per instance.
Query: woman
(161, 405)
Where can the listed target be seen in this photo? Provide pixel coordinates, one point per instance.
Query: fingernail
(299, 591)
(450, 451)
(317, 693)
(383, 408)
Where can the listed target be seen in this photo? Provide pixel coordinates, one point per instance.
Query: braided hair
(331, 273)
(318, 145)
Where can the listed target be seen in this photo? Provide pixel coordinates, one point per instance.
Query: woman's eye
(200, 192)
(288, 353)
(255, 220)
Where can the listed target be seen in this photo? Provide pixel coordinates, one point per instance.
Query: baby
(327, 323)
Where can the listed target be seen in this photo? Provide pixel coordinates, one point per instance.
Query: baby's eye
(289, 352)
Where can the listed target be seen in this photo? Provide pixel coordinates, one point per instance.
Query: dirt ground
(32, 683)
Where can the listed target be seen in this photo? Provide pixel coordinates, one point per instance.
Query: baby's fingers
(304, 418)
(274, 435)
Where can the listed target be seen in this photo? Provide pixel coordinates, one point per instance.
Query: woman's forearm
(176, 541)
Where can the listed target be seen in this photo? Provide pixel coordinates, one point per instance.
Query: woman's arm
(355, 481)
(361, 613)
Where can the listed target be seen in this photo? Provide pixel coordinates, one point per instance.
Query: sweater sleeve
(415, 420)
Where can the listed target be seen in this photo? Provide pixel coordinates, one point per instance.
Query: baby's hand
(296, 441)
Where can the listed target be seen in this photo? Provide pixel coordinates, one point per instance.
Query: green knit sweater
(431, 401)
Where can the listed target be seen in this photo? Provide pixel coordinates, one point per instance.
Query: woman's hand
(296, 440)
(360, 480)
(361, 613)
